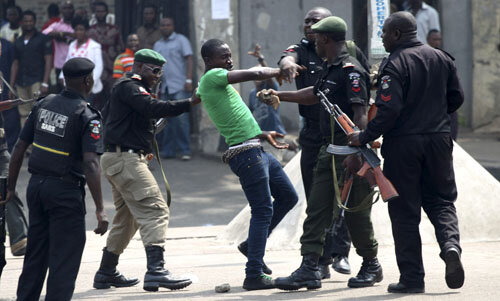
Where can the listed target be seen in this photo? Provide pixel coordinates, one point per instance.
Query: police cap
(149, 56)
(77, 67)
(332, 25)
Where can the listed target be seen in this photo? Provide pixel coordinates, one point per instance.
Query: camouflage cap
(333, 25)
(149, 56)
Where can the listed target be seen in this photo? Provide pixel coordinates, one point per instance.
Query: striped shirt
(123, 63)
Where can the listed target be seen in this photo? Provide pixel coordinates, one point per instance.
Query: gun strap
(367, 201)
(157, 154)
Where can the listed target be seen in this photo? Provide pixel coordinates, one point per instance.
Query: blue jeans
(175, 136)
(261, 176)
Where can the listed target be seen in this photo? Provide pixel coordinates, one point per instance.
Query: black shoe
(157, 276)
(401, 288)
(341, 265)
(324, 271)
(262, 282)
(454, 270)
(369, 274)
(307, 275)
(243, 248)
(107, 275)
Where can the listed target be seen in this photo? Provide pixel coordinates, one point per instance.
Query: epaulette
(348, 65)
(291, 48)
(136, 76)
(95, 110)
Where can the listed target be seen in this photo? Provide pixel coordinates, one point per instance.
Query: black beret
(77, 67)
(333, 25)
(149, 56)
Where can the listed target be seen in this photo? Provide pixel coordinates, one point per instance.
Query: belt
(113, 148)
(70, 178)
(253, 141)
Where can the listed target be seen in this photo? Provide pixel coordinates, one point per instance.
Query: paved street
(205, 193)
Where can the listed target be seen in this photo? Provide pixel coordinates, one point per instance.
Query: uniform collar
(71, 94)
(410, 43)
(340, 58)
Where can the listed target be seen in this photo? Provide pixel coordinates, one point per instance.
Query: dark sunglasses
(155, 70)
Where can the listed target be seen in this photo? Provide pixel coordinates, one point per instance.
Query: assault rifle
(371, 168)
(11, 103)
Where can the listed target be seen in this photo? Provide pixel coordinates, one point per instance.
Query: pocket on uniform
(114, 168)
(146, 192)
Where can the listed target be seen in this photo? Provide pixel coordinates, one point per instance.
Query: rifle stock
(375, 176)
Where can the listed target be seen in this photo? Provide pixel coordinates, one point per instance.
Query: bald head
(320, 11)
(404, 21)
(313, 16)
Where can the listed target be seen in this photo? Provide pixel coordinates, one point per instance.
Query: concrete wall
(275, 25)
(457, 40)
(204, 29)
(486, 72)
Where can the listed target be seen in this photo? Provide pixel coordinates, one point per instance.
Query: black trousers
(421, 169)
(338, 241)
(56, 237)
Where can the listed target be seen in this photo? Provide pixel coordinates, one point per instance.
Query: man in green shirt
(261, 175)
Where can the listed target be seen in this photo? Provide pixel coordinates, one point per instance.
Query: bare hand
(270, 137)
(352, 163)
(8, 197)
(289, 71)
(44, 90)
(354, 138)
(269, 97)
(102, 222)
(256, 52)
(188, 87)
(194, 98)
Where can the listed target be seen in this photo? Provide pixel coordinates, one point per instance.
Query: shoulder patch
(385, 82)
(95, 129)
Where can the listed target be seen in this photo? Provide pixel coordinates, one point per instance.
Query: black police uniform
(418, 87)
(310, 138)
(129, 115)
(344, 83)
(61, 128)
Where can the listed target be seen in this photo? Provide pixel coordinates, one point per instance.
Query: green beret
(77, 67)
(333, 25)
(149, 56)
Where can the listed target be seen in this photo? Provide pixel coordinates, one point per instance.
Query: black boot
(243, 248)
(369, 274)
(108, 276)
(400, 288)
(157, 276)
(324, 271)
(307, 275)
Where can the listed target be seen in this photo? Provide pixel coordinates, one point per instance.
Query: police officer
(418, 88)
(338, 243)
(343, 80)
(128, 137)
(66, 135)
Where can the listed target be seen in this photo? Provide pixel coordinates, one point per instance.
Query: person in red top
(53, 12)
(125, 61)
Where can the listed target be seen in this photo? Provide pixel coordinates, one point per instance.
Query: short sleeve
(47, 45)
(218, 77)
(28, 132)
(186, 47)
(355, 86)
(92, 134)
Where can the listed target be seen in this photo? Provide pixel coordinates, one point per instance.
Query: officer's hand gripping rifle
(371, 168)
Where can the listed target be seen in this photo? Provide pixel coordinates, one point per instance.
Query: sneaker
(262, 282)
(186, 157)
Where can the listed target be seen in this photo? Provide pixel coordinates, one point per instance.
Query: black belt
(112, 148)
(70, 178)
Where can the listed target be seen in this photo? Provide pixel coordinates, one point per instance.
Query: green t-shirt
(225, 107)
